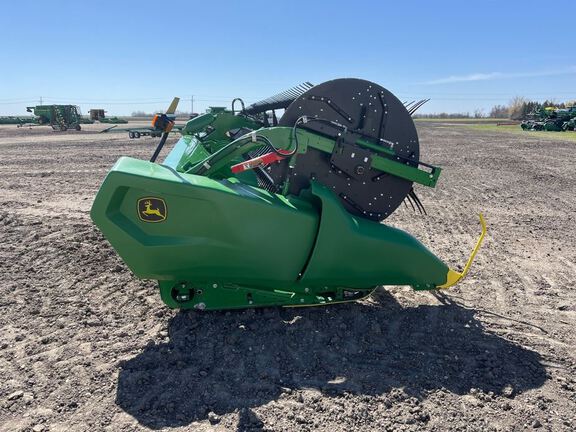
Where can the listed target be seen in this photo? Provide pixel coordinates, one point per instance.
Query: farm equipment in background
(139, 132)
(570, 125)
(114, 120)
(99, 115)
(550, 119)
(537, 119)
(17, 120)
(60, 117)
(249, 209)
(153, 131)
(96, 114)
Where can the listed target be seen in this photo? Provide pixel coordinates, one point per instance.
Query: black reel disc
(362, 110)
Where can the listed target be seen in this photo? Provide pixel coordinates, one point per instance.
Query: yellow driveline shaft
(453, 277)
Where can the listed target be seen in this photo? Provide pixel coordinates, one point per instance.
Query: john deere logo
(152, 209)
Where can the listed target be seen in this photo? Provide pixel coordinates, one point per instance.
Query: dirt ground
(84, 346)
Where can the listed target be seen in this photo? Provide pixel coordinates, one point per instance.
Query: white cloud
(501, 75)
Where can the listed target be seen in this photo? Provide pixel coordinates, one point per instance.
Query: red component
(259, 161)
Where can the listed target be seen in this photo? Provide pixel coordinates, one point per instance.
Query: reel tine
(302, 89)
(417, 106)
(419, 204)
(421, 209)
(414, 107)
(280, 100)
(410, 201)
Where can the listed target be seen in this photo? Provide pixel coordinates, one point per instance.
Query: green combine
(249, 209)
(59, 117)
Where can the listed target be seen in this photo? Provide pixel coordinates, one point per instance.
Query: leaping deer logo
(152, 209)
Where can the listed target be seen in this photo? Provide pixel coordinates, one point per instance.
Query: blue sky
(126, 55)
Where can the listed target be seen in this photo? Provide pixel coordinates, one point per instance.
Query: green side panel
(197, 124)
(212, 229)
(360, 253)
(220, 122)
(188, 149)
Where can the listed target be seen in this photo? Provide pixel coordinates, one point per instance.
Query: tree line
(145, 114)
(517, 109)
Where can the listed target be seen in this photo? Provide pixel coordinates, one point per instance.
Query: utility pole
(192, 104)
(40, 100)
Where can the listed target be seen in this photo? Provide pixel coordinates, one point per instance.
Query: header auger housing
(249, 209)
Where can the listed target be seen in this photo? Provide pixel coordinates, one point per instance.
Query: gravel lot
(85, 346)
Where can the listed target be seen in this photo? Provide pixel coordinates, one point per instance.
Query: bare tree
(499, 111)
(517, 108)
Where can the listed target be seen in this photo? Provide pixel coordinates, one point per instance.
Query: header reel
(252, 210)
(365, 121)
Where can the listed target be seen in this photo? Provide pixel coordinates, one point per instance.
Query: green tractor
(250, 209)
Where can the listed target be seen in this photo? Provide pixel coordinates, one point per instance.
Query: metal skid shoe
(217, 296)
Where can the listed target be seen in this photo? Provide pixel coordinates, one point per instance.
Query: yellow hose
(453, 277)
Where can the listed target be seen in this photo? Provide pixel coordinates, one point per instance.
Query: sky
(127, 56)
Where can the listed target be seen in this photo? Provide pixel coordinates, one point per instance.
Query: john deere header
(249, 209)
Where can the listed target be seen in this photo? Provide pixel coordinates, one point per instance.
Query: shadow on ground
(222, 362)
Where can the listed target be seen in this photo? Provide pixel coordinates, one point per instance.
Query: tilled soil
(86, 347)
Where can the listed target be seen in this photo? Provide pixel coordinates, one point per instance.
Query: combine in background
(60, 117)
